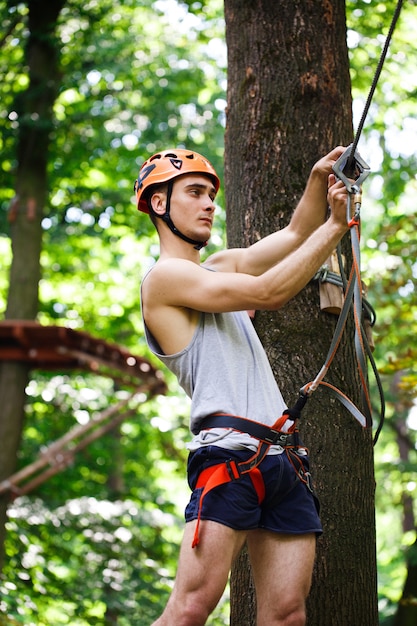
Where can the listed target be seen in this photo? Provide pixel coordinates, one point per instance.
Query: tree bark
(35, 115)
(289, 103)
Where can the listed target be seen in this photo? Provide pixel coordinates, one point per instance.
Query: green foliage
(136, 79)
(91, 555)
(123, 532)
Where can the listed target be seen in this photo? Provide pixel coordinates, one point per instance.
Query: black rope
(349, 165)
(375, 81)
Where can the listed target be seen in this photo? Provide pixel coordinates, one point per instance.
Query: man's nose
(210, 205)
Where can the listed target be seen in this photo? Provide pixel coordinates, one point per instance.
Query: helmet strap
(167, 219)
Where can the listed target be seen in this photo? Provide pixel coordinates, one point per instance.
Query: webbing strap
(225, 472)
(352, 299)
(359, 335)
(209, 479)
(270, 434)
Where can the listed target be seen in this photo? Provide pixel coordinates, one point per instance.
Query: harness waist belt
(254, 429)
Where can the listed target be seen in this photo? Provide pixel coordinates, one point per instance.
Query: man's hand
(324, 166)
(337, 196)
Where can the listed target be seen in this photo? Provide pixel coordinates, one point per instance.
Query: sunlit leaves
(101, 555)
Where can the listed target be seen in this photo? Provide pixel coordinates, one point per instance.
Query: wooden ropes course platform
(59, 348)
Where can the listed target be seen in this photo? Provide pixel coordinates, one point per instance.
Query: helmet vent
(177, 163)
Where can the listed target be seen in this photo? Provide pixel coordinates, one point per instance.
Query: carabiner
(351, 169)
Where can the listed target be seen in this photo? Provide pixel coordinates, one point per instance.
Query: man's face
(192, 205)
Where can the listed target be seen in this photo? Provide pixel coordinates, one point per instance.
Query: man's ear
(158, 202)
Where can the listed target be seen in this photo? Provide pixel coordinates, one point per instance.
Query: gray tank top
(224, 369)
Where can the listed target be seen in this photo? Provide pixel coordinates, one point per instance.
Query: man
(247, 485)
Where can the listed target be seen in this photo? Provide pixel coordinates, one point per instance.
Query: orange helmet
(167, 165)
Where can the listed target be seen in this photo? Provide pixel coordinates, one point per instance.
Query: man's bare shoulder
(164, 303)
(169, 270)
(225, 260)
(166, 282)
(174, 269)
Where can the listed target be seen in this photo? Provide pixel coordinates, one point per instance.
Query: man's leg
(202, 574)
(282, 570)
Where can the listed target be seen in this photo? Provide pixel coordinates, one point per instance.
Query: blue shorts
(288, 507)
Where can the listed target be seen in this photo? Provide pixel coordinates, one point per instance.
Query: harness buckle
(232, 469)
(308, 481)
(286, 440)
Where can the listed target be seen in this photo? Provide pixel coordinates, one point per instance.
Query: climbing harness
(228, 471)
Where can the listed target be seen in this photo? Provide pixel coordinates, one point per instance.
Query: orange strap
(220, 474)
(279, 424)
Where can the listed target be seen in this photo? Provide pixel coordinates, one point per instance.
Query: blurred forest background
(98, 541)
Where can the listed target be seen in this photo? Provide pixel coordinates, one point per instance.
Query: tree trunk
(35, 115)
(289, 102)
